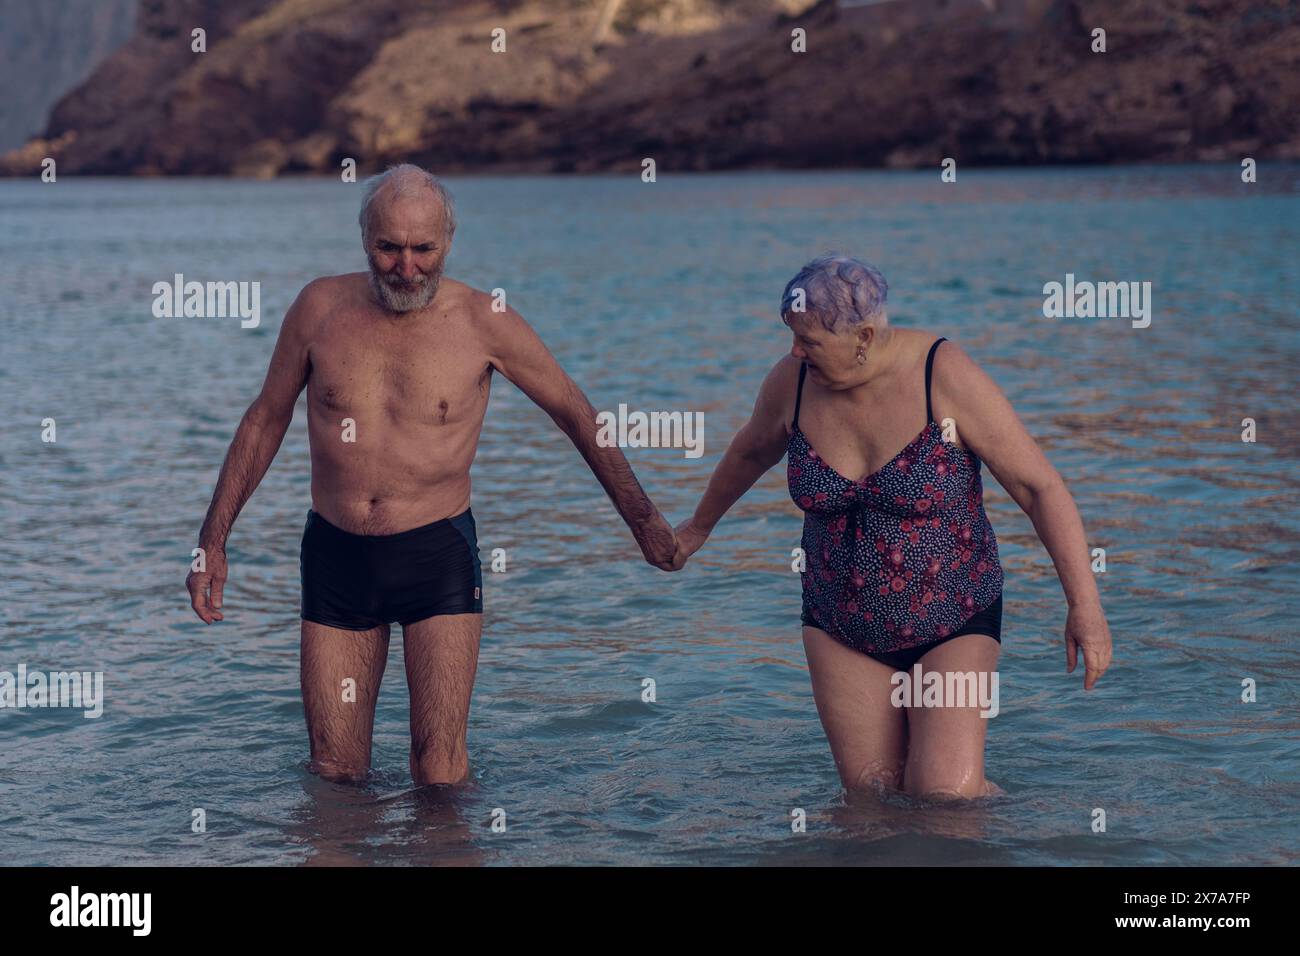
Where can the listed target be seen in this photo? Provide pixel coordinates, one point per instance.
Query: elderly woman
(901, 561)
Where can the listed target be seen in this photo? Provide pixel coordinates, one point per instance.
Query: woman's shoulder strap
(798, 395)
(929, 371)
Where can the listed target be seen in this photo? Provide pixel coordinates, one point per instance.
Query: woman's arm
(989, 426)
(758, 446)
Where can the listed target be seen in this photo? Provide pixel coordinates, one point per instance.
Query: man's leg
(341, 713)
(441, 659)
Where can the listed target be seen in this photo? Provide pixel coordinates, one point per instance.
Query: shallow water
(662, 296)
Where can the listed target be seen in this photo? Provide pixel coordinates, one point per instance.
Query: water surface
(662, 296)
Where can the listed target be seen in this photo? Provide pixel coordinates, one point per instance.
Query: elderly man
(397, 364)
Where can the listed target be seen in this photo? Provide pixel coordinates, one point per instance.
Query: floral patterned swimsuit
(904, 559)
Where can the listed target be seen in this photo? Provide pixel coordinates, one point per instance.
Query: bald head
(408, 187)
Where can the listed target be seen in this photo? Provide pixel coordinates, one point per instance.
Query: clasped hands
(668, 548)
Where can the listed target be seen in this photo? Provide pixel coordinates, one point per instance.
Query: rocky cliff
(298, 85)
(48, 48)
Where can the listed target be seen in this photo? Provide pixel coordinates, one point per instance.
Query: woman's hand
(689, 540)
(1086, 629)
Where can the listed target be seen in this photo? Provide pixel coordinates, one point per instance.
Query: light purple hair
(839, 291)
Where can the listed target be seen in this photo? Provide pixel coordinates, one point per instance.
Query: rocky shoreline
(298, 86)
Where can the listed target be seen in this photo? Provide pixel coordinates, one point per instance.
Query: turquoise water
(662, 296)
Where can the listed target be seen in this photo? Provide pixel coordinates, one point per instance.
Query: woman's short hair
(838, 291)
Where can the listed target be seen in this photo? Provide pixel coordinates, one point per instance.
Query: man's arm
(515, 350)
(251, 451)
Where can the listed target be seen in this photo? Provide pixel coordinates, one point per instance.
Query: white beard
(399, 300)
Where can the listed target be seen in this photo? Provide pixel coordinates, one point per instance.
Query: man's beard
(397, 295)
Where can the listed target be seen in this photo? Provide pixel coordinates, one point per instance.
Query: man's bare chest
(417, 379)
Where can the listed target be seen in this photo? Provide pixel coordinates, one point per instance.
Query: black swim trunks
(361, 581)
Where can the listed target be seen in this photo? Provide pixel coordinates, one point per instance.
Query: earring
(862, 357)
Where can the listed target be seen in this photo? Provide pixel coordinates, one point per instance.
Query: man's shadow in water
(366, 824)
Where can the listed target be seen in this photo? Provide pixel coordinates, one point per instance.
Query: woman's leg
(946, 744)
(867, 734)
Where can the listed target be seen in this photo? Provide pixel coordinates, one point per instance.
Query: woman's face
(832, 357)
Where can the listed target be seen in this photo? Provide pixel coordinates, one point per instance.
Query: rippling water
(662, 296)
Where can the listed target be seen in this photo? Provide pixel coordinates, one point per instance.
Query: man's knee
(338, 771)
(431, 763)
(438, 769)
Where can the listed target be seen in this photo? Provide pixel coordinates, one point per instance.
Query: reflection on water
(662, 296)
(350, 826)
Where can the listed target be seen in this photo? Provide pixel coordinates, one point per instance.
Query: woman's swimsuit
(903, 559)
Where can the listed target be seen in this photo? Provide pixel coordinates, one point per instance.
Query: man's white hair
(403, 179)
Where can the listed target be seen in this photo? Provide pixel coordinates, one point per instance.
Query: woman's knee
(874, 776)
(943, 785)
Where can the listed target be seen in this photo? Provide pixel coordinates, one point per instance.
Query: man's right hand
(205, 586)
(658, 543)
